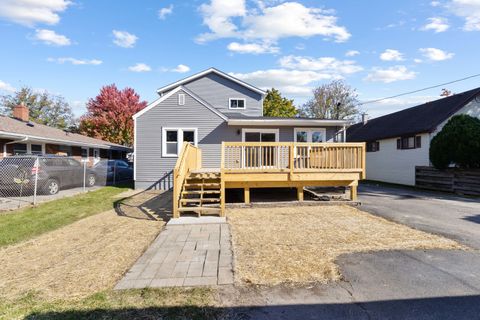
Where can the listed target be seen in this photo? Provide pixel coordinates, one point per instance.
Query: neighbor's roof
(205, 72)
(17, 129)
(243, 120)
(420, 119)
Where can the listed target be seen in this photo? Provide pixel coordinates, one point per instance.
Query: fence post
(114, 173)
(36, 181)
(84, 174)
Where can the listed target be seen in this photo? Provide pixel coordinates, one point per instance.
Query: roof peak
(205, 72)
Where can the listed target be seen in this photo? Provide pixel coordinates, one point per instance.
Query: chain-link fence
(30, 179)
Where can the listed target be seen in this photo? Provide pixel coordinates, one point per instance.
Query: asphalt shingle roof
(12, 125)
(420, 119)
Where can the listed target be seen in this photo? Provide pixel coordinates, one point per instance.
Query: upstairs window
(236, 103)
(410, 142)
(373, 146)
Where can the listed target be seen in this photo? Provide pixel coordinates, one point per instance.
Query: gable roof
(169, 94)
(14, 128)
(205, 72)
(420, 119)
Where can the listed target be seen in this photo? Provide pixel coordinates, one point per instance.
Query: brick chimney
(21, 112)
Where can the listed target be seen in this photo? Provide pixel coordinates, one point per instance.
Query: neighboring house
(399, 141)
(20, 136)
(206, 109)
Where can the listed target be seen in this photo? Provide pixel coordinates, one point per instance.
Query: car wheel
(91, 180)
(52, 187)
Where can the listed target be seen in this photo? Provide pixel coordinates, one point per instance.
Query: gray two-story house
(205, 109)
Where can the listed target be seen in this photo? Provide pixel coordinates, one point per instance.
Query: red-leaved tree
(109, 115)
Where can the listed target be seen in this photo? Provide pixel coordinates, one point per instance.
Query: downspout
(12, 142)
(344, 133)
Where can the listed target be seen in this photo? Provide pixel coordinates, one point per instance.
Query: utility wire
(419, 90)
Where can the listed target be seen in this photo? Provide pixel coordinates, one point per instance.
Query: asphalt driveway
(433, 284)
(449, 215)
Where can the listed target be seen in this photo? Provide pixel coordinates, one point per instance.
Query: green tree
(274, 105)
(457, 143)
(44, 108)
(335, 100)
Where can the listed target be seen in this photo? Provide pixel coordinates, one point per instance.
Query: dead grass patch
(301, 244)
(79, 259)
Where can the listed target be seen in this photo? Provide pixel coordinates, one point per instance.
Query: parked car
(110, 172)
(55, 173)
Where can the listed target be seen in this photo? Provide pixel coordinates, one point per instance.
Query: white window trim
(309, 133)
(87, 159)
(230, 103)
(179, 143)
(29, 146)
(181, 99)
(263, 130)
(96, 155)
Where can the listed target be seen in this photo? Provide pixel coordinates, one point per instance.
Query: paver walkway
(184, 255)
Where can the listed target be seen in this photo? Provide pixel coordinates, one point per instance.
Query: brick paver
(184, 255)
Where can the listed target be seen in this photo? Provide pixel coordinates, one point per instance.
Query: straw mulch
(79, 259)
(300, 244)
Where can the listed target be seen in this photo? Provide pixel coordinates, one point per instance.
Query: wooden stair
(201, 193)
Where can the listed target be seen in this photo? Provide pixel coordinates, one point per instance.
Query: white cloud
(293, 82)
(164, 12)
(435, 54)
(50, 37)
(417, 60)
(6, 87)
(389, 75)
(140, 67)
(328, 65)
(124, 39)
(232, 19)
(435, 3)
(32, 12)
(352, 53)
(74, 61)
(254, 48)
(436, 24)
(469, 10)
(181, 68)
(391, 55)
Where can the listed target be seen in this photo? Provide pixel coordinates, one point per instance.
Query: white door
(259, 156)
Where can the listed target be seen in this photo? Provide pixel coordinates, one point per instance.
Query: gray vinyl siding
(155, 171)
(217, 90)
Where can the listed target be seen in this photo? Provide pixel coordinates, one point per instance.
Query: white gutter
(17, 135)
(288, 122)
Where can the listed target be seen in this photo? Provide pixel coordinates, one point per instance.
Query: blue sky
(379, 47)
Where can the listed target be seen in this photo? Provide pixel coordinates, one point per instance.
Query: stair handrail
(190, 158)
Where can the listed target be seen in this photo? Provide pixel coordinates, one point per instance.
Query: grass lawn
(300, 244)
(168, 303)
(29, 222)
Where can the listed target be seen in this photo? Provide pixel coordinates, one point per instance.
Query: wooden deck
(249, 165)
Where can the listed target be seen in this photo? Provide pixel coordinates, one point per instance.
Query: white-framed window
(173, 138)
(309, 135)
(28, 148)
(85, 153)
(237, 103)
(19, 148)
(36, 148)
(181, 99)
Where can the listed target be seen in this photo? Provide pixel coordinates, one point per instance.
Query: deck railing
(190, 159)
(293, 157)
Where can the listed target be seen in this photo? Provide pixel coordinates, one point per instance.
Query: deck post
(175, 197)
(222, 181)
(246, 195)
(353, 192)
(300, 193)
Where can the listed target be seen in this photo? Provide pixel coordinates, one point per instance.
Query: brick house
(19, 136)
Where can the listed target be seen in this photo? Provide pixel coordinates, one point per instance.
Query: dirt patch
(300, 244)
(79, 259)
